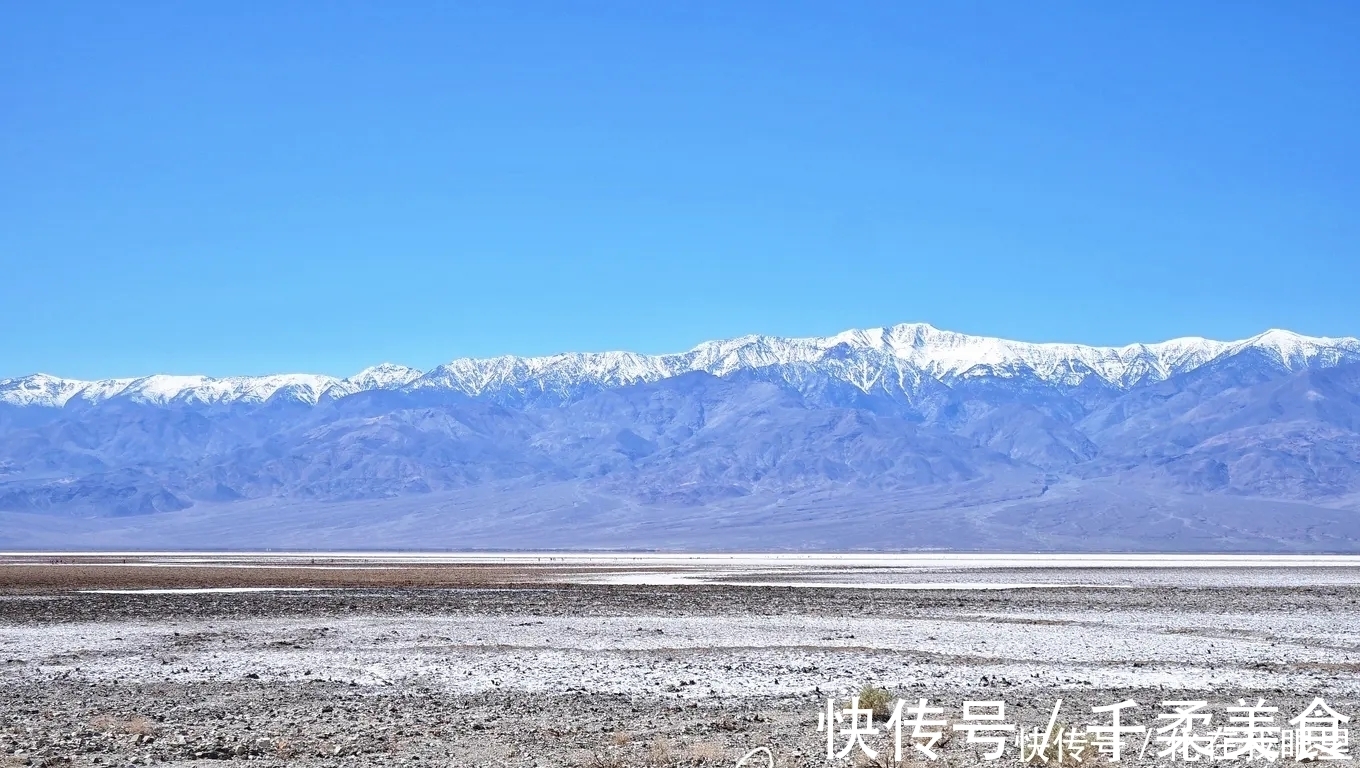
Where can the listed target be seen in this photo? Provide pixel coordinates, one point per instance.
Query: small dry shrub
(659, 753)
(621, 738)
(877, 699)
(141, 726)
(706, 752)
(132, 726)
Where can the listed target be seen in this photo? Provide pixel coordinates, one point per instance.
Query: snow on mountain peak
(383, 376)
(1294, 351)
(203, 390)
(561, 373)
(163, 389)
(905, 354)
(39, 389)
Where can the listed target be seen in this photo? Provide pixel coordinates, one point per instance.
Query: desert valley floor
(562, 660)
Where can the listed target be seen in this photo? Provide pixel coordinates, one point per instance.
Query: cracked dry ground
(570, 675)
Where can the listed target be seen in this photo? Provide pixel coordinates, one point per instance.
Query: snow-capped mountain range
(899, 437)
(898, 357)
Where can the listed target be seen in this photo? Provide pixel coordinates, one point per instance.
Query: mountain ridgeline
(906, 437)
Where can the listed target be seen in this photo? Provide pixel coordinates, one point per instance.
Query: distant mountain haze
(898, 438)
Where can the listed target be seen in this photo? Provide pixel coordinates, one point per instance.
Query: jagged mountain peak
(1294, 351)
(382, 376)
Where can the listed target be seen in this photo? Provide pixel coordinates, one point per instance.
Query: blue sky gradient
(252, 187)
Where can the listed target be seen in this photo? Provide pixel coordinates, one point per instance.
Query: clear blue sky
(247, 187)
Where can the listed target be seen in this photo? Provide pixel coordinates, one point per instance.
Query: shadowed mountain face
(854, 447)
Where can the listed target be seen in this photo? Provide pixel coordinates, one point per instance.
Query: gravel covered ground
(536, 668)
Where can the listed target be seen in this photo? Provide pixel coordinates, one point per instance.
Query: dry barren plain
(610, 661)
